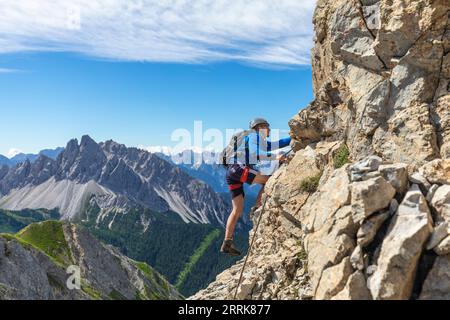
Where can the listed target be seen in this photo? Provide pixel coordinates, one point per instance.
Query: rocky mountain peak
(89, 148)
(110, 146)
(81, 162)
(87, 140)
(72, 146)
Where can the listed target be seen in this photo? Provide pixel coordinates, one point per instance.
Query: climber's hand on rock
(281, 157)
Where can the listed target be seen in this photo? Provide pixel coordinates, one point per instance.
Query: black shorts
(237, 175)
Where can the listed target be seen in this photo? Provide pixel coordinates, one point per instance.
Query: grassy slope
(170, 246)
(48, 237)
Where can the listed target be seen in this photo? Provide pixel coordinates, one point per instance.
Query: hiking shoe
(228, 247)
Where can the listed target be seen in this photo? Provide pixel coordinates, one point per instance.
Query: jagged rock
(371, 196)
(365, 169)
(403, 23)
(305, 163)
(246, 288)
(437, 171)
(401, 248)
(21, 275)
(396, 175)
(371, 11)
(420, 180)
(437, 282)
(431, 192)
(333, 279)
(402, 142)
(355, 288)
(439, 233)
(441, 202)
(393, 206)
(369, 228)
(370, 270)
(332, 196)
(351, 40)
(369, 164)
(443, 248)
(441, 117)
(330, 244)
(357, 259)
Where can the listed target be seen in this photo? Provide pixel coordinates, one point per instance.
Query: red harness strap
(235, 186)
(244, 176)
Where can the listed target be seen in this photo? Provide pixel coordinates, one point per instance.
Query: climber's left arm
(283, 143)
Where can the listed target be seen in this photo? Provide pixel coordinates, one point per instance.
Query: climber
(242, 167)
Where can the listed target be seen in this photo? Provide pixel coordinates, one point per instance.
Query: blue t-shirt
(258, 149)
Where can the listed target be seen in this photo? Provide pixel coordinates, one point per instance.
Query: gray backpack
(231, 155)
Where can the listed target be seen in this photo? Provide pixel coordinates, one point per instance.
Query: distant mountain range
(22, 157)
(115, 176)
(206, 170)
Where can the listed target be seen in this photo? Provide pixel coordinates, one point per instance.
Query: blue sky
(137, 86)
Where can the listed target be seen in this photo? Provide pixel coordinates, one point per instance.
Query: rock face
(348, 240)
(34, 265)
(381, 79)
(375, 228)
(408, 232)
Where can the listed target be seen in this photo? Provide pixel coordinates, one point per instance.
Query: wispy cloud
(6, 70)
(191, 31)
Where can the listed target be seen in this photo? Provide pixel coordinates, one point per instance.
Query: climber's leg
(238, 208)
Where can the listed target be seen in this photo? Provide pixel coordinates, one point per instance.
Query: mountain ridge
(119, 175)
(34, 263)
(22, 157)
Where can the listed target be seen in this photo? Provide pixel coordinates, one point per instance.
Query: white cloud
(175, 151)
(192, 31)
(157, 149)
(6, 70)
(13, 152)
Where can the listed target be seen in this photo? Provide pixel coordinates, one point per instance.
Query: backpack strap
(235, 149)
(247, 151)
(257, 147)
